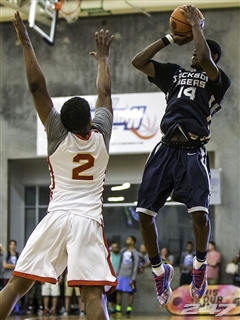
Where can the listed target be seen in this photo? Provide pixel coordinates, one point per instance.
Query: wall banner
(136, 123)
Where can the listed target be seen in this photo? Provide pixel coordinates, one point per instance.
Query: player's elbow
(137, 63)
(204, 58)
(104, 92)
(33, 87)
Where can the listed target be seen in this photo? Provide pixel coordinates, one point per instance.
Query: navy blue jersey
(192, 99)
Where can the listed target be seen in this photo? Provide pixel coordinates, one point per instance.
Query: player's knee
(201, 218)
(145, 219)
(20, 285)
(90, 293)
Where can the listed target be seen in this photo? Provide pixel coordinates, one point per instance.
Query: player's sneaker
(162, 283)
(198, 286)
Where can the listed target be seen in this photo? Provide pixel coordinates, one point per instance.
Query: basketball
(179, 24)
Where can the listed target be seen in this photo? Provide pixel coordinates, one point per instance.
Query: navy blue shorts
(178, 169)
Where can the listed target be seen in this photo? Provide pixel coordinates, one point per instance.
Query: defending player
(71, 234)
(179, 162)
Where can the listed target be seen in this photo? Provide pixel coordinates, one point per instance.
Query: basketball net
(68, 9)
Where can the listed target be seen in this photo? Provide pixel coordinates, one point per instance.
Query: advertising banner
(136, 123)
(219, 300)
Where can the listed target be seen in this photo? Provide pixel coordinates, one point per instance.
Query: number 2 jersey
(192, 99)
(77, 165)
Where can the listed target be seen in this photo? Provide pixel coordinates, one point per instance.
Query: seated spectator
(213, 263)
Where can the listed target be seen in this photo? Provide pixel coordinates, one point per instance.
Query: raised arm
(35, 77)
(142, 61)
(103, 82)
(203, 52)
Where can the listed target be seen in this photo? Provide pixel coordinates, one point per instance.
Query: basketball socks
(200, 259)
(157, 266)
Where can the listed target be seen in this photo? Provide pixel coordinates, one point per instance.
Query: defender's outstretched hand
(103, 42)
(20, 28)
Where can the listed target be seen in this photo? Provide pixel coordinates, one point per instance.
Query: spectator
(128, 268)
(115, 259)
(9, 262)
(213, 261)
(53, 291)
(166, 257)
(34, 299)
(68, 293)
(236, 276)
(186, 264)
(144, 261)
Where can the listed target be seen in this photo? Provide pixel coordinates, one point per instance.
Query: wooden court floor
(123, 317)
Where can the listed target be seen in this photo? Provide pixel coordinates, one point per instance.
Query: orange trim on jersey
(34, 277)
(108, 257)
(52, 186)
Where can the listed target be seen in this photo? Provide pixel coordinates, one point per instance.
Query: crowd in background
(128, 262)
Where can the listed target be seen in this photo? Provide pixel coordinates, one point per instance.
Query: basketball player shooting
(71, 234)
(179, 162)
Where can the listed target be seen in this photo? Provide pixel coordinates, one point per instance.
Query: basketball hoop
(68, 9)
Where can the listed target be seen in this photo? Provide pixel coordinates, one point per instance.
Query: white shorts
(49, 289)
(63, 239)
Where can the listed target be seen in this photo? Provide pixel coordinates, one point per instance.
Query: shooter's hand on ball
(192, 15)
(181, 40)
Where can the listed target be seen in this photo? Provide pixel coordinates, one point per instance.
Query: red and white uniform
(77, 171)
(71, 234)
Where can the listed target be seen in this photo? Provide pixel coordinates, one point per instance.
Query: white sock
(159, 270)
(197, 264)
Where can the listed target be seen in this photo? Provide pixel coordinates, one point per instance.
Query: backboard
(43, 18)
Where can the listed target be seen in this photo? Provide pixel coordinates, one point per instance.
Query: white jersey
(77, 166)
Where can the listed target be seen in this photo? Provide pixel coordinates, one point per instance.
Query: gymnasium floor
(160, 317)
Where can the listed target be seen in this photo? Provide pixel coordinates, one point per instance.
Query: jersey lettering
(87, 161)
